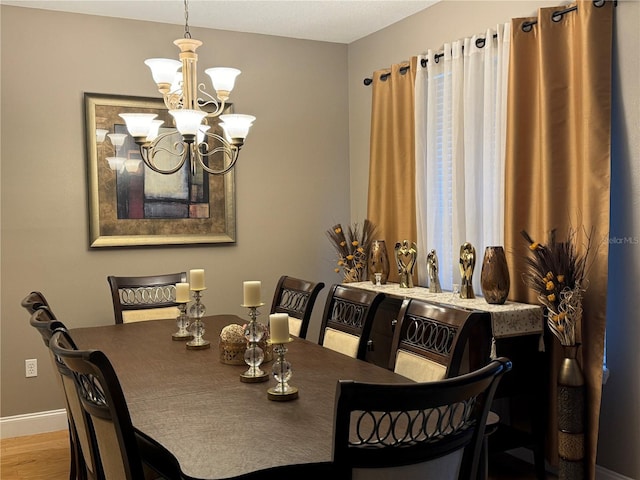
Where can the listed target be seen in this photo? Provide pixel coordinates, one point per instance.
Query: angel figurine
(467, 264)
(406, 259)
(432, 269)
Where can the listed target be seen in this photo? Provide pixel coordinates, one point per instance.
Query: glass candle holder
(282, 373)
(182, 320)
(196, 312)
(254, 355)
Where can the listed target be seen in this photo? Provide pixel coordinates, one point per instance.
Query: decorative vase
(378, 262)
(571, 416)
(494, 278)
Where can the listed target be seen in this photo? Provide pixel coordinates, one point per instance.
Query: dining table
(216, 425)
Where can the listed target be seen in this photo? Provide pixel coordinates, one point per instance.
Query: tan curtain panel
(391, 202)
(558, 169)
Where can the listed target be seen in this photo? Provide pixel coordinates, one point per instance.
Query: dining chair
(82, 465)
(296, 298)
(414, 430)
(430, 340)
(120, 451)
(348, 318)
(151, 297)
(433, 342)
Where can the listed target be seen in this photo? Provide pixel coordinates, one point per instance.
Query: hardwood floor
(35, 457)
(46, 457)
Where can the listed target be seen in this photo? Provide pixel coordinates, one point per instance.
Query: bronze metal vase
(571, 416)
(494, 278)
(378, 262)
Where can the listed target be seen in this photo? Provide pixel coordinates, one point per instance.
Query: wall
(292, 179)
(451, 20)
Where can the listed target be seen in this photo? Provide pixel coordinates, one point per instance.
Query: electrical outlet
(31, 367)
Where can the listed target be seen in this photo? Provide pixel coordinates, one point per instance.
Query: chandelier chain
(187, 33)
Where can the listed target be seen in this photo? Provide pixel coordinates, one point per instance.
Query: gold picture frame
(127, 211)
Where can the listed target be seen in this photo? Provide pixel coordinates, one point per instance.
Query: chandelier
(178, 83)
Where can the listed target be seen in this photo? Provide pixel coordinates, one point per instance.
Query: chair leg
(483, 461)
(73, 472)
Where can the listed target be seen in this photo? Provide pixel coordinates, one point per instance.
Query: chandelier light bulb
(115, 163)
(188, 121)
(153, 130)
(138, 124)
(101, 133)
(163, 70)
(236, 126)
(117, 139)
(223, 80)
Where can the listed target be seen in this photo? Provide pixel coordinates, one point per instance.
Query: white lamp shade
(132, 165)
(223, 78)
(117, 139)
(115, 163)
(201, 131)
(236, 125)
(101, 133)
(163, 70)
(138, 124)
(188, 121)
(153, 130)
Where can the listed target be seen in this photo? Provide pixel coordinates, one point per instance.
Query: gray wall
(292, 179)
(450, 20)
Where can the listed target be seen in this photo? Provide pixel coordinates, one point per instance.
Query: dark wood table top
(215, 425)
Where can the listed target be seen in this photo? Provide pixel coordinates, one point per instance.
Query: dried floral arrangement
(352, 247)
(557, 272)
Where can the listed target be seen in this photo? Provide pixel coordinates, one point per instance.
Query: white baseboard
(604, 474)
(601, 472)
(33, 423)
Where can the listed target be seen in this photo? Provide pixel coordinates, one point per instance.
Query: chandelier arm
(149, 150)
(230, 151)
(202, 102)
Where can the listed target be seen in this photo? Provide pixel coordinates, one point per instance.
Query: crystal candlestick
(197, 327)
(254, 355)
(282, 373)
(183, 324)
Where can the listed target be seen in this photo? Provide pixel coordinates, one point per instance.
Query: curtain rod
(480, 42)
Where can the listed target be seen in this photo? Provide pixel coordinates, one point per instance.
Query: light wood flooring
(46, 457)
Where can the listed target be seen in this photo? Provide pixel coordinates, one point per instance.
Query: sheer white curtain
(460, 118)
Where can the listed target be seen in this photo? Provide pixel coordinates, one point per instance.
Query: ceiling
(339, 21)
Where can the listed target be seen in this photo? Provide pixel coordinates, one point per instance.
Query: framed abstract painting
(130, 204)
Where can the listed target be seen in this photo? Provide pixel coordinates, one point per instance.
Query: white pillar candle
(279, 327)
(182, 292)
(196, 279)
(252, 294)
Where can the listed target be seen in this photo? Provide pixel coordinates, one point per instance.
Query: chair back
(429, 340)
(80, 422)
(416, 430)
(34, 301)
(103, 403)
(348, 318)
(296, 298)
(150, 297)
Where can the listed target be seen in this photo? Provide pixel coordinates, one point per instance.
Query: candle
(252, 294)
(196, 277)
(182, 292)
(279, 327)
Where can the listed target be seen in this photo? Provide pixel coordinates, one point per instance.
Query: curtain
(460, 118)
(558, 167)
(391, 197)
